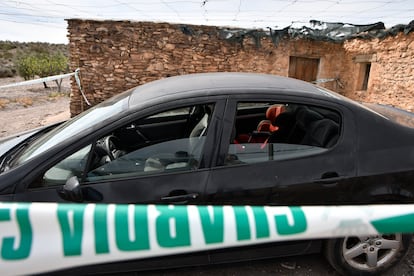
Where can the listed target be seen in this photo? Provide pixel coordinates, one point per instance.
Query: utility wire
(239, 12)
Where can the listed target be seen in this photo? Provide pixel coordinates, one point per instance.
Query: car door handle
(180, 198)
(329, 179)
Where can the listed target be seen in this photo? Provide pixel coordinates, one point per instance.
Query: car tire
(366, 255)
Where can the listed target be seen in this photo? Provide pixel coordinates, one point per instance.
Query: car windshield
(73, 127)
(396, 115)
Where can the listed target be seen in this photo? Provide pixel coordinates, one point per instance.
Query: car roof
(206, 84)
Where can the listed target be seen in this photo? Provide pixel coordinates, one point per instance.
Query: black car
(225, 139)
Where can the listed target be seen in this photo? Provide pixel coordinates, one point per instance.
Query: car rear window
(396, 115)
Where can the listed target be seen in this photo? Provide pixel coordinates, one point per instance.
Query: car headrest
(273, 111)
(285, 119)
(307, 116)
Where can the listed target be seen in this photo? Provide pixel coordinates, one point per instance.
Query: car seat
(323, 133)
(266, 127)
(285, 123)
(271, 114)
(184, 158)
(319, 131)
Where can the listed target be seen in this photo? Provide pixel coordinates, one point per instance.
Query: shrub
(42, 65)
(7, 72)
(7, 45)
(27, 67)
(49, 65)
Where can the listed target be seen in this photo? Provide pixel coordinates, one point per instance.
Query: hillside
(10, 51)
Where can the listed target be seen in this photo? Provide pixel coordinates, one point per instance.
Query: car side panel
(320, 178)
(385, 159)
(140, 190)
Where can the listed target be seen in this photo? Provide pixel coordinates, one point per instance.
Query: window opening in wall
(363, 65)
(364, 76)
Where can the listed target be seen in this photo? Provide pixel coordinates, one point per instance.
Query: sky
(44, 20)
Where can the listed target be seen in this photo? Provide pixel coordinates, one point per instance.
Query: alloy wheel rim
(370, 252)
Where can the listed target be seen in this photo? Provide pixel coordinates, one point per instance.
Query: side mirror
(71, 190)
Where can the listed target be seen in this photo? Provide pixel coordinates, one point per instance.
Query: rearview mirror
(71, 190)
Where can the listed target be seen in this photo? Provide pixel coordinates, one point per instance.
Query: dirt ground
(308, 265)
(27, 107)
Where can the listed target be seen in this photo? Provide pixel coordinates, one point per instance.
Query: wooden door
(303, 68)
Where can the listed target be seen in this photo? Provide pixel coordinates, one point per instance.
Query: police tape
(36, 81)
(51, 78)
(45, 237)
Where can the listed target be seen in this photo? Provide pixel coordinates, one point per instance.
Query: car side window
(274, 131)
(74, 165)
(167, 141)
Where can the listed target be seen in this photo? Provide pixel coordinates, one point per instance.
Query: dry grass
(25, 101)
(4, 102)
(56, 94)
(28, 96)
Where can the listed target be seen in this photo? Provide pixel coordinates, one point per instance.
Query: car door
(161, 158)
(293, 168)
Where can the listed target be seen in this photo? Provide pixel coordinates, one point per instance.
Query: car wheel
(366, 255)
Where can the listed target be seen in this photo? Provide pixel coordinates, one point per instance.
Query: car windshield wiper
(10, 156)
(9, 159)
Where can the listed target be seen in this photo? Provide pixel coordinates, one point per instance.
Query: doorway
(303, 68)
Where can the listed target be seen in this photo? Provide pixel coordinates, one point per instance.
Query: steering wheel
(109, 146)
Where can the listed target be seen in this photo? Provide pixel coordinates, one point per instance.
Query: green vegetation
(48, 56)
(27, 67)
(7, 45)
(42, 65)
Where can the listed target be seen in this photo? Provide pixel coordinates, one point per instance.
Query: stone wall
(392, 69)
(116, 55)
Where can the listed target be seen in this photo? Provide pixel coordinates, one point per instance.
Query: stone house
(116, 55)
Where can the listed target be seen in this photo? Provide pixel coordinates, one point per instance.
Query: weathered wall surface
(392, 73)
(116, 55)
